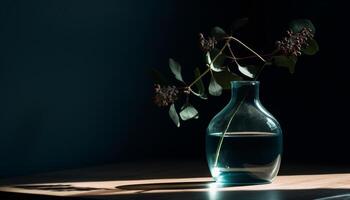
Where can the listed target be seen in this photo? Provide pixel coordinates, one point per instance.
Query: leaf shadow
(57, 187)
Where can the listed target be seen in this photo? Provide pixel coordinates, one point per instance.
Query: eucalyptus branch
(227, 44)
(209, 69)
(199, 77)
(298, 41)
(233, 55)
(249, 57)
(241, 43)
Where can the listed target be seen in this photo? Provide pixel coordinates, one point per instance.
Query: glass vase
(244, 141)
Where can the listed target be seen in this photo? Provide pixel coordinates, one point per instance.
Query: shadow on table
(136, 188)
(176, 186)
(167, 186)
(163, 190)
(307, 194)
(133, 187)
(155, 170)
(57, 187)
(181, 191)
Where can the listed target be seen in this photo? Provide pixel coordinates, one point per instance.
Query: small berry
(206, 44)
(294, 42)
(165, 95)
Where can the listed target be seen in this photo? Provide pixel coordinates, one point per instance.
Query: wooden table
(176, 180)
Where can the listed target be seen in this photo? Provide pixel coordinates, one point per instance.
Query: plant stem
(241, 43)
(249, 57)
(233, 55)
(199, 77)
(218, 149)
(227, 44)
(209, 69)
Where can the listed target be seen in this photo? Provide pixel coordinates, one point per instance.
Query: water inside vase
(245, 157)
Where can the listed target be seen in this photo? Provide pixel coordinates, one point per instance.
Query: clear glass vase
(244, 141)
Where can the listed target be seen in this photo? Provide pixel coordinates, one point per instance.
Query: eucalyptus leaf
(188, 112)
(218, 33)
(176, 69)
(214, 88)
(224, 78)
(297, 25)
(218, 65)
(173, 115)
(249, 70)
(158, 77)
(199, 85)
(285, 61)
(312, 48)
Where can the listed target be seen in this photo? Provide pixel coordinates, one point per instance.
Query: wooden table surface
(176, 180)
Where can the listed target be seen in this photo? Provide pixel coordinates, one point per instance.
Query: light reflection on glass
(213, 190)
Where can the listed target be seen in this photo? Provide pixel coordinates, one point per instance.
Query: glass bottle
(244, 141)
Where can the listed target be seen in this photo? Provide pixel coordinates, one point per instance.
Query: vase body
(250, 150)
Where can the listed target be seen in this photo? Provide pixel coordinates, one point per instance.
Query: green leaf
(217, 66)
(312, 48)
(173, 115)
(285, 61)
(239, 23)
(199, 85)
(188, 112)
(214, 88)
(218, 33)
(176, 69)
(224, 78)
(297, 25)
(158, 77)
(249, 70)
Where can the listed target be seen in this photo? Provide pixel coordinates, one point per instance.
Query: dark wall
(74, 79)
(75, 88)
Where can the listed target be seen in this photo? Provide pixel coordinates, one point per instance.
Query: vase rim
(239, 83)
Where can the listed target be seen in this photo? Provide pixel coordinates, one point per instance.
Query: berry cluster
(206, 44)
(165, 95)
(295, 42)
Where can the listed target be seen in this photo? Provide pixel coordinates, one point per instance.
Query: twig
(209, 69)
(241, 43)
(249, 57)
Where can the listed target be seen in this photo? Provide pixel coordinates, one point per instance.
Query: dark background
(76, 91)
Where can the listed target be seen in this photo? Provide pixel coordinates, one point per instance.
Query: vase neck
(247, 91)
